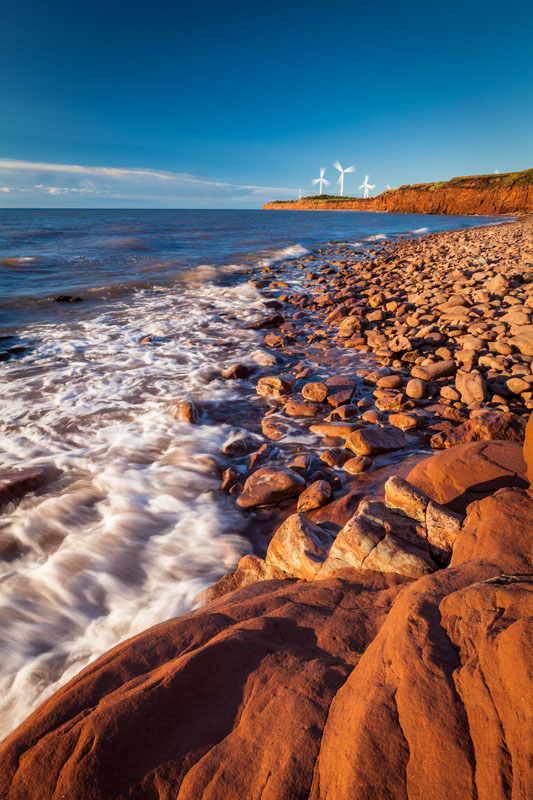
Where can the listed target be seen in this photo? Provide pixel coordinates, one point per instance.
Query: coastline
(423, 347)
(498, 194)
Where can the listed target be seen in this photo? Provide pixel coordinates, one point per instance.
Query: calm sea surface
(132, 525)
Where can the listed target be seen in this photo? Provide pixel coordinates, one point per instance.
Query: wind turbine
(300, 195)
(321, 180)
(342, 172)
(366, 186)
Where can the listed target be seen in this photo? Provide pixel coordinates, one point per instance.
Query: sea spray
(134, 528)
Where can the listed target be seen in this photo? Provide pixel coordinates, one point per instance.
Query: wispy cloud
(35, 180)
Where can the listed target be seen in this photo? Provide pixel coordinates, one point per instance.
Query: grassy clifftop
(504, 180)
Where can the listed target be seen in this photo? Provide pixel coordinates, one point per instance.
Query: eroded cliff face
(484, 195)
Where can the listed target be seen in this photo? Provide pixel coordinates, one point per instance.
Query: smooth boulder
(269, 485)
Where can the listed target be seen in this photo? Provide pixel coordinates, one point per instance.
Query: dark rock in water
(17, 350)
(266, 322)
(229, 478)
(67, 298)
(237, 372)
(14, 484)
(185, 411)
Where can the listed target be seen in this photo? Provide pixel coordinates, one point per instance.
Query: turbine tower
(366, 186)
(300, 195)
(342, 172)
(321, 180)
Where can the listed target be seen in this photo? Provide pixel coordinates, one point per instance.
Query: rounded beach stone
(416, 388)
(317, 392)
(369, 441)
(358, 464)
(269, 485)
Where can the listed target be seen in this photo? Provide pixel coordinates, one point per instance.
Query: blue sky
(213, 104)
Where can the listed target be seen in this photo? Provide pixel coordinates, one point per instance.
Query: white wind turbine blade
(337, 165)
(315, 181)
(362, 186)
(325, 181)
(322, 171)
(350, 169)
(371, 185)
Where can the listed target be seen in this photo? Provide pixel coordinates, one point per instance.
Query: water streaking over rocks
(131, 526)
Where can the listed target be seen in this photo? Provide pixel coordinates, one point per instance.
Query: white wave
(135, 528)
(286, 254)
(420, 230)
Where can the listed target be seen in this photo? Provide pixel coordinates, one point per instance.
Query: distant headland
(505, 193)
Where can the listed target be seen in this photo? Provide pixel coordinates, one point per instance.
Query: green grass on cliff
(321, 198)
(505, 180)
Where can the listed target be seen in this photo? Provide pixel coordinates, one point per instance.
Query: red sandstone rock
(368, 441)
(489, 425)
(468, 472)
(299, 547)
(528, 449)
(269, 485)
(185, 411)
(299, 408)
(315, 496)
(358, 464)
(438, 704)
(272, 321)
(498, 530)
(250, 569)
(363, 686)
(431, 372)
(273, 386)
(380, 539)
(317, 392)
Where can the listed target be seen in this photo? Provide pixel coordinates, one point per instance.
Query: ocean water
(134, 527)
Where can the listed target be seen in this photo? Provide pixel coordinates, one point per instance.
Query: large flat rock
(470, 471)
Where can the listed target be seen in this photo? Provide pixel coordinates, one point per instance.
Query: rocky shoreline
(376, 642)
